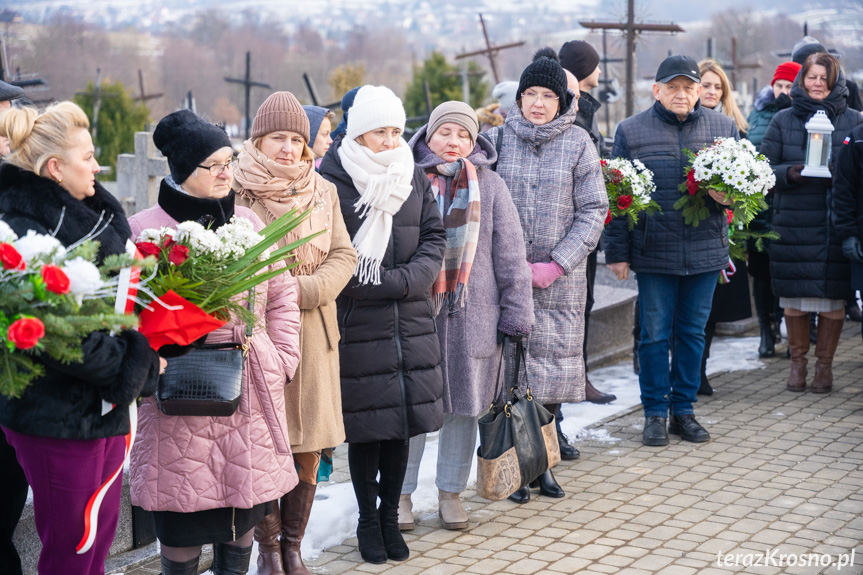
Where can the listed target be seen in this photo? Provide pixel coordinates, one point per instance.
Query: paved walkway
(783, 475)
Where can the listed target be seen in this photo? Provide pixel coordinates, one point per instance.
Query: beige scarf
(279, 189)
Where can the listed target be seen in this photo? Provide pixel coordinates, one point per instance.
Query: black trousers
(13, 486)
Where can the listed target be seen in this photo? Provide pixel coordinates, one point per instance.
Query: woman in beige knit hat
(276, 173)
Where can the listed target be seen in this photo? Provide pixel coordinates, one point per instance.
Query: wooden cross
(630, 28)
(490, 51)
(139, 174)
(247, 82)
(144, 95)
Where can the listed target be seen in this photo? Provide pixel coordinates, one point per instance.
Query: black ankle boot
(394, 542)
(189, 567)
(767, 347)
(369, 539)
(548, 485)
(521, 495)
(230, 559)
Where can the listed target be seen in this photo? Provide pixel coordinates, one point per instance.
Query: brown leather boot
(296, 507)
(267, 536)
(829, 331)
(798, 343)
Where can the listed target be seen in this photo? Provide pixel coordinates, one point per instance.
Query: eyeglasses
(547, 99)
(216, 169)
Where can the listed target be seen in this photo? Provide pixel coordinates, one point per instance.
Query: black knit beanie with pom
(546, 72)
(187, 139)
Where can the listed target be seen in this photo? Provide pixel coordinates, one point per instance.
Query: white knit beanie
(375, 107)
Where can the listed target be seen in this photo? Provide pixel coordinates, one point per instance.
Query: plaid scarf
(461, 221)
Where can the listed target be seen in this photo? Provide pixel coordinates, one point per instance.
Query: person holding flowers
(553, 173)
(808, 270)
(68, 426)
(676, 263)
(390, 352)
(275, 173)
(213, 479)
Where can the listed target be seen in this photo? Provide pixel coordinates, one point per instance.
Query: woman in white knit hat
(390, 354)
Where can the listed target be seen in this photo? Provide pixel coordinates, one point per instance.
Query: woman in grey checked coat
(552, 170)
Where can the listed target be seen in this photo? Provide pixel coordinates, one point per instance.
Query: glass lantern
(819, 146)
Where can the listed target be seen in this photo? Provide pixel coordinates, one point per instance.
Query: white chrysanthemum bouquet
(200, 271)
(51, 297)
(629, 186)
(730, 166)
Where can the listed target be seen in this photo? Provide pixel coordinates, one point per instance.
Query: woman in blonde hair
(716, 93)
(731, 299)
(275, 173)
(65, 444)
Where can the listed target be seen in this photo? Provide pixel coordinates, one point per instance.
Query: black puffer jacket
(67, 401)
(663, 243)
(806, 260)
(846, 209)
(389, 350)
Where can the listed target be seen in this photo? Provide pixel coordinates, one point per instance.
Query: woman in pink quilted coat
(211, 479)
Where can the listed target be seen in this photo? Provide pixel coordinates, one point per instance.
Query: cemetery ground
(777, 490)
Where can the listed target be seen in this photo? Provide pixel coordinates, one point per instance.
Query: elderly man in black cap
(677, 265)
(13, 484)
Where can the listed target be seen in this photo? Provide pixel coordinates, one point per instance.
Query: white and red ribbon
(727, 273)
(124, 303)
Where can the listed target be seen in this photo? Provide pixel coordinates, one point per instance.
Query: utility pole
(630, 28)
(247, 82)
(490, 51)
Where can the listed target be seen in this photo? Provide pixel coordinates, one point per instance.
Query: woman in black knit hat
(552, 170)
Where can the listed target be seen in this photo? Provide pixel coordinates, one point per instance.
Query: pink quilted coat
(186, 464)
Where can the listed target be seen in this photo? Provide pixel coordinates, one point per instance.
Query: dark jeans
(13, 486)
(673, 312)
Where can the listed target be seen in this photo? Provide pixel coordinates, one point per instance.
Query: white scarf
(383, 181)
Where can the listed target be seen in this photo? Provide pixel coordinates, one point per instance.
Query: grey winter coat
(663, 243)
(499, 289)
(554, 176)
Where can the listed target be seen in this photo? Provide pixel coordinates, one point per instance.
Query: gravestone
(139, 174)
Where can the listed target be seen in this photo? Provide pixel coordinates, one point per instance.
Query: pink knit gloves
(544, 274)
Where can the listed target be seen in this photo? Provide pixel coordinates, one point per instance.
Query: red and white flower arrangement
(629, 186)
(730, 166)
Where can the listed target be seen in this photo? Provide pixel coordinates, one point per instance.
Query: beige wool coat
(313, 400)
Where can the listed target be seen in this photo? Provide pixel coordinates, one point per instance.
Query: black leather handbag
(206, 381)
(518, 439)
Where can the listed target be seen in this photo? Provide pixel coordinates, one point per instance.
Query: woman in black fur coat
(64, 442)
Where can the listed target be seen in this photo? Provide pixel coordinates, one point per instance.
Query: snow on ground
(334, 517)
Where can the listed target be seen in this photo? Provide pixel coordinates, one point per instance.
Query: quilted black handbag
(207, 381)
(518, 439)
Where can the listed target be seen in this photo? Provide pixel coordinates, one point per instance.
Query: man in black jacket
(677, 264)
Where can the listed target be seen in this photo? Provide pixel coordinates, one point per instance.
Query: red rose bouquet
(51, 298)
(200, 272)
(629, 185)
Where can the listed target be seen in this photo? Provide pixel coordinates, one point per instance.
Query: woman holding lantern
(809, 272)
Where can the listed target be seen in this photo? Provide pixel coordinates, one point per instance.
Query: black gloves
(793, 174)
(850, 248)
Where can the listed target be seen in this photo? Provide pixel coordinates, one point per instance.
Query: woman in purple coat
(482, 293)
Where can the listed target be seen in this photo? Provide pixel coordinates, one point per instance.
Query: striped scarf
(462, 230)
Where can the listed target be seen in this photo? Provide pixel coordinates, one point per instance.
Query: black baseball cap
(675, 66)
(9, 92)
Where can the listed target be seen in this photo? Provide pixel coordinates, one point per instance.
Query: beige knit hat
(457, 113)
(375, 107)
(280, 112)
